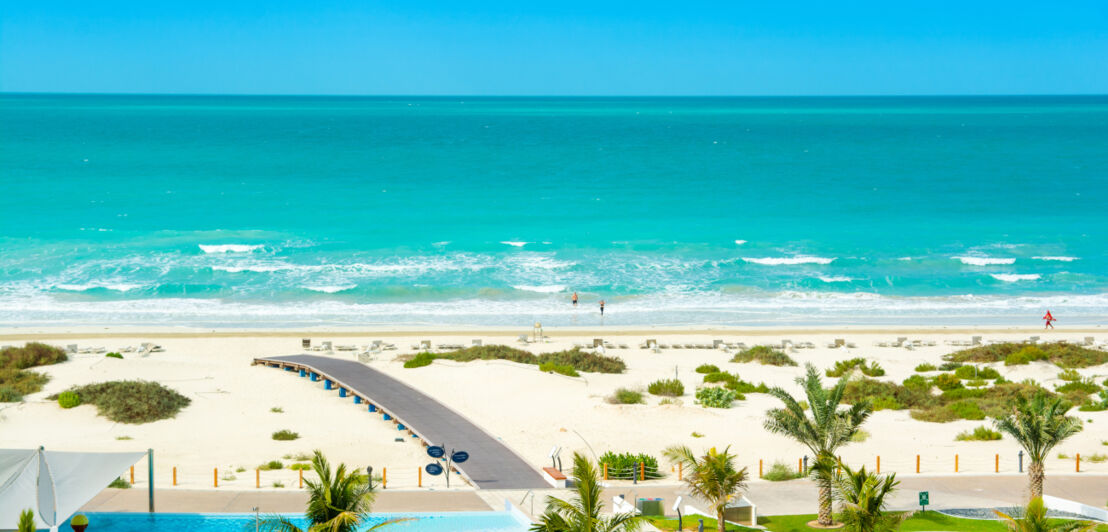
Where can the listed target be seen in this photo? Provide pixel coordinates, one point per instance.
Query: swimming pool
(420, 522)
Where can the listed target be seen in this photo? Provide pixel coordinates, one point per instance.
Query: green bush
(1069, 374)
(132, 401)
(712, 397)
(860, 436)
(780, 471)
(950, 366)
(120, 484)
(978, 434)
(966, 410)
(763, 355)
(734, 383)
(271, 465)
(925, 367)
(31, 355)
(1017, 359)
(842, 367)
(886, 403)
(707, 368)
(1061, 354)
(550, 367)
(420, 360)
(917, 381)
(285, 435)
(15, 383)
(301, 467)
(667, 387)
(946, 381)
(1084, 387)
(976, 383)
(114, 355)
(623, 465)
(68, 399)
(974, 372)
(623, 396)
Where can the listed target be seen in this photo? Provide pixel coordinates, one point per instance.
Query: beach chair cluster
(426, 345)
(904, 342)
(841, 343)
(373, 347)
(600, 343)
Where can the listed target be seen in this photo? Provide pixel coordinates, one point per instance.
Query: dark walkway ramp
(491, 464)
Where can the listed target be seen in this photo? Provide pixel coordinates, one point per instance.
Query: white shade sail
(54, 484)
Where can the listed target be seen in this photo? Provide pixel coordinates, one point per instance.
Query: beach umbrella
(54, 484)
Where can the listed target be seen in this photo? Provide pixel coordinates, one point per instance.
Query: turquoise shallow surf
(277, 211)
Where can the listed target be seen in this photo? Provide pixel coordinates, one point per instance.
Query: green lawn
(929, 521)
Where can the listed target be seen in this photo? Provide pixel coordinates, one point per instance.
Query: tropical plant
(339, 501)
(667, 387)
(26, 521)
(862, 497)
(711, 397)
(712, 477)
(1038, 425)
(582, 512)
(823, 432)
(1034, 520)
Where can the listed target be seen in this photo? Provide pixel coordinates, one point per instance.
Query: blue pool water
(419, 522)
(275, 211)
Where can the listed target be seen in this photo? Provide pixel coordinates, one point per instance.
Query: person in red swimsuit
(1049, 319)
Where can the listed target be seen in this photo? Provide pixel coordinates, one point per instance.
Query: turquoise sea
(293, 211)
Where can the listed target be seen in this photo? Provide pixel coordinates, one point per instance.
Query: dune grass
(15, 380)
(574, 358)
(132, 401)
(763, 355)
(1064, 355)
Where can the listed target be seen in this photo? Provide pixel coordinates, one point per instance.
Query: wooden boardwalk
(491, 465)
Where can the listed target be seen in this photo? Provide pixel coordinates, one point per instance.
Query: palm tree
(827, 429)
(582, 512)
(862, 496)
(339, 501)
(712, 477)
(1034, 520)
(1038, 425)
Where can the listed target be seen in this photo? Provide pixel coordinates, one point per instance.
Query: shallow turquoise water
(419, 522)
(244, 211)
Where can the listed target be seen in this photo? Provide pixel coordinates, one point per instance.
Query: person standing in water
(1049, 318)
(601, 307)
(574, 299)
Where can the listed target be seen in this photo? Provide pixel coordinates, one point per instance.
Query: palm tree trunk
(719, 520)
(825, 502)
(1036, 473)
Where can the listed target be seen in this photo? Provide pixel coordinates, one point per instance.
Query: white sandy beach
(229, 423)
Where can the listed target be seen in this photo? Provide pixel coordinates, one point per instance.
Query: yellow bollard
(174, 475)
(301, 479)
(800, 465)
(878, 464)
(257, 478)
(759, 468)
(215, 477)
(1077, 464)
(997, 466)
(917, 464)
(642, 471)
(955, 463)
(420, 470)
(385, 477)
(605, 471)
(132, 475)
(681, 471)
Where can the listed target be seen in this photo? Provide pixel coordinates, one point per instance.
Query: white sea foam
(905, 258)
(230, 248)
(118, 287)
(1014, 277)
(542, 289)
(740, 242)
(835, 279)
(1056, 258)
(331, 289)
(799, 259)
(514, 243)
(985, 261)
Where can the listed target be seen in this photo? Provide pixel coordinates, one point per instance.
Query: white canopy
(54, 484)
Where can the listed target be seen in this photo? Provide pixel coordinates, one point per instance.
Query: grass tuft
(978, 434)
(624, 396)
(763, 355)
(285, 435)
(132, 401)
(667, 388)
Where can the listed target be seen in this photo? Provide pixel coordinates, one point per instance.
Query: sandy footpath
(229, 423)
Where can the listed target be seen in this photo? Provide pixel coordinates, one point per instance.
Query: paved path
(491, 465)
(279, 501)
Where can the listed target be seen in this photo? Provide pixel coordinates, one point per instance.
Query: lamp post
(1021, 460)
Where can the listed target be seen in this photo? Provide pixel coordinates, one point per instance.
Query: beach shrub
(780, 471)
(976, 383)
(68, 399)
(31, 355)
(278, 484)
(860, 436)
(277, 410)
(123, 438)
(946, 381)
(917, 381)
(734, 383)
(978, 434)
(1058, 353)
(1085, 386)
(120, 484)
(132, 401)
(623, 396)
(696, 434)
(925, 367)
(763, 355)
(712, 397)
(624, 465)
(575, 358)
(707, 368)
(114, 355)
(915, 394)
(667, 387)
(301, 467)
(1097, 458)
(15, 383)
(842, 367)
(285, 435)
(966, 410)
(950, 366)
(974, 372)
(272, 465)
(561, 369)
(1069, 374)
(420, 360)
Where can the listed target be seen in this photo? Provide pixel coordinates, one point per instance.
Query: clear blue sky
(688, 47)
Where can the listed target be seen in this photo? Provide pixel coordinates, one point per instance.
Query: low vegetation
(978, 434)
(300, 467)
(119, 484)
(131, 401)
(781, 471)
(624, 396)
(713, 397)
(271, 465)
(976, 372)
(277, 410)
(15, 380)
(763, 355)
(574, 358)
(285, 435)
(561, 369)
(622, 465)
(925, 367)
(667, 388)
(734, 383)
(114, 355)
(842, 367)
(1060, 354)
(955, 402)
(1086, 386)
(860, 436)
(69, 399)
(707, 368)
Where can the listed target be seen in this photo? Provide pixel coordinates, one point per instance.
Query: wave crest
(799, 259)
(985, 261)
